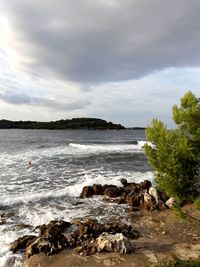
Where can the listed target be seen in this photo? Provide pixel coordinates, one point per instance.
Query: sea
(42, 173)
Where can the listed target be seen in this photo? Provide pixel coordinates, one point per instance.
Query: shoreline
(154, 235)
(164, 236)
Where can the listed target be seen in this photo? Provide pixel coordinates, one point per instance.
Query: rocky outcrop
(22, 242)
(138, 195)
(87, 191)
(81, 235)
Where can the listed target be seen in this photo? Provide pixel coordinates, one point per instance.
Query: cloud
(24, 99)
(96, 41)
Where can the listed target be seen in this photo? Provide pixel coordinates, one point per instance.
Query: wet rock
(113, 243)
(123, 182)
(170, 202)
(22, 242)
(24, 226)
(146, 184)
(134, 199)
(123, 195)
(47, 246)
(112, 192)
(132, 188)
(87, 191)
(119, 201)
(98, 189)
(53, 228)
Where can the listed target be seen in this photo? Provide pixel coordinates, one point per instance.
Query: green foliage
(178, 211)
(197, 203)
(182, 263)
(175, 154)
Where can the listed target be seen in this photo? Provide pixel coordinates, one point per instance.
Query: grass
(179, 213)
(197, 203)
(181, 263)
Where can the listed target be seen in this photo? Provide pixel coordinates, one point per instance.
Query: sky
(124, 61)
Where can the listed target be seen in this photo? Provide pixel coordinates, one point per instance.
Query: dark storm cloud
(105, 40)
(24, 99)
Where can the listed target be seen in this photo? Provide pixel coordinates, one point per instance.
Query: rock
(87, 191)
(148, 203)
(53, 228)
(112, 191)
(22, 242)
(163, 196)
(154, 193)
(170, 202)
(119, 201)
(146, 184)
(132, 188)
(47, 246)
(91, 229)
(98, 189)
(123, 195)
(88, 247)
(123, 182)
(187, 251)
(160, 205)
(134, 199)
(113, 243)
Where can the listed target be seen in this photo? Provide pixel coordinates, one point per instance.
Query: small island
(75, 123)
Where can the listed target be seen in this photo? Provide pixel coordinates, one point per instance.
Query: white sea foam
(95, 148)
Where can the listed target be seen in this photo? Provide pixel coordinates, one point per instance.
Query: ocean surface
(63, 161)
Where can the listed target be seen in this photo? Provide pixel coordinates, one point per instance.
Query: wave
(125, 147)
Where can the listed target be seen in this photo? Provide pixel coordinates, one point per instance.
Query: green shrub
(181, 263)
(175, 154)
(197, 203)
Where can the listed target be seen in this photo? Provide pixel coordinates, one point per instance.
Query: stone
(146, 184)
(111, 192)
(22, 243)
(87, 191)
(148, 203)
(123, 182)
(154, 193)
(113, 243)
(98, 189)
(134, 199)
(170, 202)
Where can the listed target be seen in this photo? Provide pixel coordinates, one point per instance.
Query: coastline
(153, 237)
(164, 236)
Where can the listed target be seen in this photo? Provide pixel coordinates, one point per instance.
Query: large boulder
(113, 243)
(87, 191)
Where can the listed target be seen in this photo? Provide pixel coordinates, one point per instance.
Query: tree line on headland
(75, 123)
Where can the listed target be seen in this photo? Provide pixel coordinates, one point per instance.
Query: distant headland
(75, 123)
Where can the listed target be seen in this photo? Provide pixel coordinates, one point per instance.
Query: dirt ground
(163, 236)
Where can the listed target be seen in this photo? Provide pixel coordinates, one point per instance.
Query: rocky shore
(154, 235)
